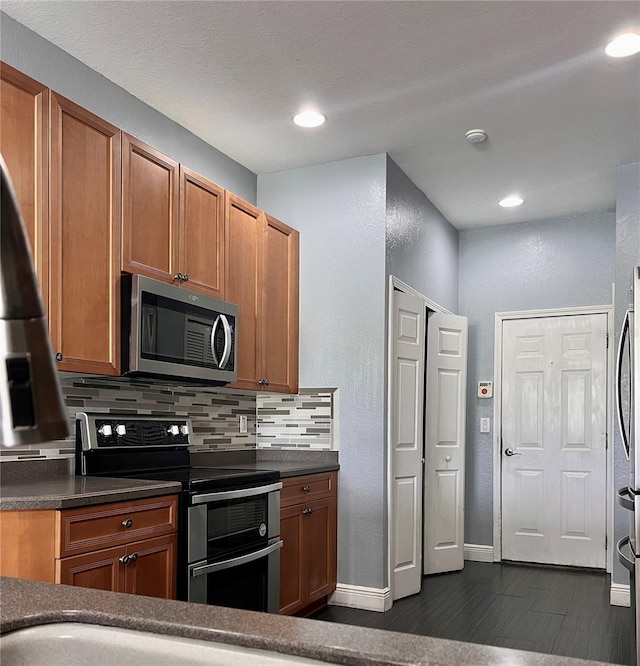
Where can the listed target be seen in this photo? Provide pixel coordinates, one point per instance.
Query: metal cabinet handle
(127, 523)
(59, 356)
(261, 381)
(185, 277)
(510, 452)
(124, 559)
(267, 382)
(133, 557)
(306, 489)
(306, 512)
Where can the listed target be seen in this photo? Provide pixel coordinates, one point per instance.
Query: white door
(554, 410)
(406, 428)
(445, 397)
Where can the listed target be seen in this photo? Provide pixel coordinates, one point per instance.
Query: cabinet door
(150, 193)
(291, 583)
(151, 569)
(24, 130)
(84, 278)
(201, 233)
(100, 570)
(319, 548)
(278, 318)
(243, 244)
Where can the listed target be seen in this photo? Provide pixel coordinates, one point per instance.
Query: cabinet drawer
(91, 528)
(307, 488)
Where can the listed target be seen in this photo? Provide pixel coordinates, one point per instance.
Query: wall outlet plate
(242, 423)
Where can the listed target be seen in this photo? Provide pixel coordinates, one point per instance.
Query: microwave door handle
(623, 336)
(214, 329)
(227, 342)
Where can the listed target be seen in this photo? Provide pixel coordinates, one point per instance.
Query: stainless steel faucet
(31, 406)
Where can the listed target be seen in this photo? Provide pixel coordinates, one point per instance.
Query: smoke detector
(475, 136)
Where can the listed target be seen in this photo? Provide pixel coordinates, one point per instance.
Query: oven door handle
(626, 562)
(235, 494)
(235, 561)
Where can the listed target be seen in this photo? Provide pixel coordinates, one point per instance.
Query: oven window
(236, 524)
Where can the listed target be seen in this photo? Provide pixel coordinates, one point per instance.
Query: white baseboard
(364, 598)
(620, 595)
(478, 553)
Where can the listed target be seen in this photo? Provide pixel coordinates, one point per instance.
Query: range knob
(105, 430)
(173, 430)
(184, 430)
(121, 430)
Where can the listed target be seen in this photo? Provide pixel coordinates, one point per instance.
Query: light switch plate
(485, 425)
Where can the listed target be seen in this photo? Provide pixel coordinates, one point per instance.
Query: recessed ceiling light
(624, 45)
(309, 119)
(511, 201)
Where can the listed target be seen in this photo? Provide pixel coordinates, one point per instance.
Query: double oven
(229, 521)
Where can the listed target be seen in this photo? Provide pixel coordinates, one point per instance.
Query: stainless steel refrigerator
(628, 411)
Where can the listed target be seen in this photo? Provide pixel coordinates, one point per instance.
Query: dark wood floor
(527, 608)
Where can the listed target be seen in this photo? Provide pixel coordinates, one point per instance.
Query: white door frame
(497, 416)
(395, 283)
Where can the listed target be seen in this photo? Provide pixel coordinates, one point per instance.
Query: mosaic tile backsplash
(298, 421)
(213, 413)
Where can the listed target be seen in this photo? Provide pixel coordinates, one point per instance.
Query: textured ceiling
(406, 78)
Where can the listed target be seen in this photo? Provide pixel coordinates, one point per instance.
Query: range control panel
(110, 431)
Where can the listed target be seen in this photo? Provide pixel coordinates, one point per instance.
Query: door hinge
(606, 542)
(606, 441)
(607, 339)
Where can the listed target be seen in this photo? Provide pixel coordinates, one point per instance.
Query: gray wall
(627, 256)
(553, 263)
(339, 209)
(40, 59)
(421, 246)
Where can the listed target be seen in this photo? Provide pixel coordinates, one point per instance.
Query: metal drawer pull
(306, 489)
(306, 512)
(127, 523)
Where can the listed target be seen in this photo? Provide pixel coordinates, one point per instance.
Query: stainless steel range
(228, 534)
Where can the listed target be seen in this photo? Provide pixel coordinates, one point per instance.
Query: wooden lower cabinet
(143, 567)
(308, 528)
(121, 547)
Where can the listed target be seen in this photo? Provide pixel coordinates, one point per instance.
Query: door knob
(510, 452)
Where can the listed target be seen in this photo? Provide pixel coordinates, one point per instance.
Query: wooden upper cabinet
(201, 233)
(150, 191)
(243, 247)
(262, 257)
(24, 132)
(279, 318)
(84, 269)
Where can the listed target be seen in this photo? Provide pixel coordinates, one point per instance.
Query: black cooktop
(199, 479)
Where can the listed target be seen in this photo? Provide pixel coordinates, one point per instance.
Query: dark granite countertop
(65, 492)
(288, 463)
(27, 603)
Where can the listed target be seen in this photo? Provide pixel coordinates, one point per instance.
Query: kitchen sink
(73, 643)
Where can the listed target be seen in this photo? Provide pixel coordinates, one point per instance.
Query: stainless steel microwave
(169, 331)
